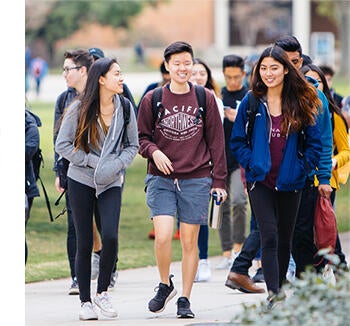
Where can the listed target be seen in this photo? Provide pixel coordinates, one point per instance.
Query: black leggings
(83, 200)
(276, 213)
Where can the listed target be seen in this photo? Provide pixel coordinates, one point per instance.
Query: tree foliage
(65, 17)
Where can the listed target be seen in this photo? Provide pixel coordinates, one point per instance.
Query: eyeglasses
(68, 69)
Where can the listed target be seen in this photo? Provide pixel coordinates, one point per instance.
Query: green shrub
(312, 300)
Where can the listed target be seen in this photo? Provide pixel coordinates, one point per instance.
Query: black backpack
(38, 163)
(157, 105)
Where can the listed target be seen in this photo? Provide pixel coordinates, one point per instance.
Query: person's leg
(303, 248)
(239, 206)
(109, 203)
(263, 202)
(71, 238)
(203, 238)
(189, 245)
(225, 231)
(250, 248)
(82, 201)
(163, 226)
(287, 210)
(338, 248)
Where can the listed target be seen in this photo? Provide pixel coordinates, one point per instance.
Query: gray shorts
(188, 199)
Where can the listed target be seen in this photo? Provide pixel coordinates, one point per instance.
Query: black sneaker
(259, 276)
(183, 308)
(164, 294)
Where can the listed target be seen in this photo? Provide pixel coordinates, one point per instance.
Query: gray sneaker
(95, 265)
(74, 288)
(114, 277)
(103, 301)
(87, 311)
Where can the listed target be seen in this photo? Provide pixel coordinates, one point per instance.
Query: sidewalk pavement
(48, 303)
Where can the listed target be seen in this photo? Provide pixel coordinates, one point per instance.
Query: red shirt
(181, 139)
(277, 144)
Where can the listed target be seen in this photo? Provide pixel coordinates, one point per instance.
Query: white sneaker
(290, 276)
(203, 271)
(95, 265)
(103, 301)
(87, 311)
(225, 263)
(328, 275)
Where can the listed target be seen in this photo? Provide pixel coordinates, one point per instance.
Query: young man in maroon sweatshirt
(186, 163)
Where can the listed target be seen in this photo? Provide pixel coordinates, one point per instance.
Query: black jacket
(32, 140)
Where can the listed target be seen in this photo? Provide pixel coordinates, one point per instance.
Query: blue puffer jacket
(256, 159)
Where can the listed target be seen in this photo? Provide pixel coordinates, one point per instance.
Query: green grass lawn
(47, 258)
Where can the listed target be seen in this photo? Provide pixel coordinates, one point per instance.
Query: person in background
(341, 150)
(329, 74)
(165, 79)
(185, 166)
(75, 70)
(32, 140)
(232, 231)
(91, 139)
(39, 69)
(201, 75)
(275, 173)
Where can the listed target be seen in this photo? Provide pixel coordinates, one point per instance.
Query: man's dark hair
(232, 60)
(177, 47)
(80, 57)
(327, 70)
(163, 69)
(306, 60)
(289, 43)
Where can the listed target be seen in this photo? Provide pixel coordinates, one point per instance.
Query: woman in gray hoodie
(99, 146)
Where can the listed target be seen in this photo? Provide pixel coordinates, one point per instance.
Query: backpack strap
(156, 105)
(126, 114)
(47, 200)
(202, 103)
(253, 104)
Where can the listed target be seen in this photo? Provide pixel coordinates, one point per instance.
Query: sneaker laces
(105, 302)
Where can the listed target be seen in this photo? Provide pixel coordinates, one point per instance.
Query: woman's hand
(162, 162)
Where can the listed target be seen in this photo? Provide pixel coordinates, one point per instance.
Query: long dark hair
(90, 105)
(299, 99)
(332, 105)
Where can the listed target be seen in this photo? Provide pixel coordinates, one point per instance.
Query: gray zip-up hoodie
(104, 167)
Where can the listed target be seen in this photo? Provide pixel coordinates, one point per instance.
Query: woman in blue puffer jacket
(275, 160)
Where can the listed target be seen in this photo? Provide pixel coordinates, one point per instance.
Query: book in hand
(215, 212)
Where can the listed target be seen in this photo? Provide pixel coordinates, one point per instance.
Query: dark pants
(71, 238)
(203, 241)
(276, 212)
(83, 201)
(303, 247)
(250, 249)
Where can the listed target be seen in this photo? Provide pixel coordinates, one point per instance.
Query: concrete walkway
(47, 303)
